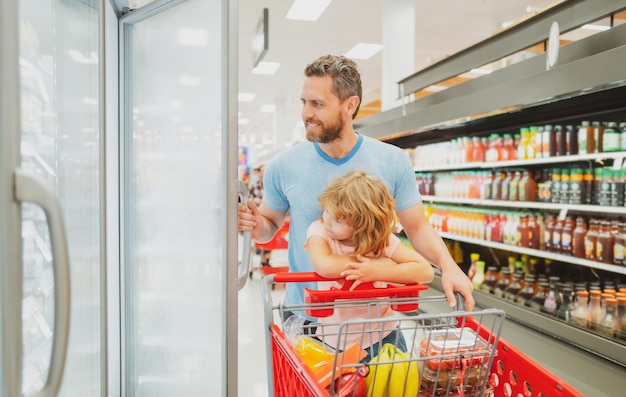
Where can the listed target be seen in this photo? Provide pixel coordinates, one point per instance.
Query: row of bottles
(588, 306)
(596, 239)
(542, 141)
(604, 186)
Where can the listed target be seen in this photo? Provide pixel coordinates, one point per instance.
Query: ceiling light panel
(363, 51)
(307, 10)
(246, 96)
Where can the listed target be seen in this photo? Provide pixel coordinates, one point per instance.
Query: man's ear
(352, 104)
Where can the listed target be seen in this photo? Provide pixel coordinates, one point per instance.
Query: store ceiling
(442, 28)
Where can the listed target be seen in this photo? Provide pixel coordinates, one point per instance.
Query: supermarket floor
(252, 355)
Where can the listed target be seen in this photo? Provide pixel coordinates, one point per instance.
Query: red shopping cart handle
(361, 292)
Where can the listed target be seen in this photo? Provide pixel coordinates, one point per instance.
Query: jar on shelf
(591, 239)
(514, 287)
(578, 238)
(605, 243)
(503, 282)
(580, 313)
(491, 278)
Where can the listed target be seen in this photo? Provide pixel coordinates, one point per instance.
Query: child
(354, 240)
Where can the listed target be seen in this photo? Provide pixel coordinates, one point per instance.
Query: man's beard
(328, 134)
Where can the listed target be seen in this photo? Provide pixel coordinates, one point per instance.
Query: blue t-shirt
(295, 178)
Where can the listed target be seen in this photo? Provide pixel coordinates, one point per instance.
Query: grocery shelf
(578, 208)
(575, 158)
(537, 253)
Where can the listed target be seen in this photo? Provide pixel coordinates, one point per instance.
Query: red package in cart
(455, 348)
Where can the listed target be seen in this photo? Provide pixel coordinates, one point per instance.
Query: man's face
(322, 111)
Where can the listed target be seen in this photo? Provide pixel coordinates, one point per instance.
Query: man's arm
(427, 242)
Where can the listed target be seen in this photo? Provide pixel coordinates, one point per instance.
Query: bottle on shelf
(479, 277)
(523, 145)
(479, 150)
(508, 148)
(553, 146)
(563, 133)
(496, 185)
(527, 187)
(553, 297)
(586, 143)
(619, 249)
(522, 235)
(611, 138)
(575, 186)
(605, 243)
(471, 272)
(555, 186)
(514, 186)
(598, 137)
(591, 238)
(604, 195)
(567, 235)
(564, 311)
(578, 238)
(621, 317)
(596, 311)
(537, 301)
(587, 186)
(514, 287)
(547, 235)
(534, 232)
(618, 188)
(572, 140)
(556, 235)
(491, 278)
(580, 314)
(610, 322)
(564, 193)
(527, 291)
(503, 282)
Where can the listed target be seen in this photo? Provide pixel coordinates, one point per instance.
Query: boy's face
(336, 229)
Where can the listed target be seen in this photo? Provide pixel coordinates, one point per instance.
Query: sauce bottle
(591, 238)
(553, 146)
(514, 287)
(553, 297)
(578, 238)
(534, 232)
(596, 311)
(547, 235)
(587, 187)
(527, 188)
(611, 138)
(527, 291)
(610, 322)
(521, 238)
(605, 243)
(564, 194)
(567, 235)
(598, 136)
(555, 186)
(556, 235)
(479, 277)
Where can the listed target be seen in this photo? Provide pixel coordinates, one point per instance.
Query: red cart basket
(279, 242)
(447, 354)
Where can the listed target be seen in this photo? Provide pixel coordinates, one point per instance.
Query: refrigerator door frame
(10, 224)
(228, 179)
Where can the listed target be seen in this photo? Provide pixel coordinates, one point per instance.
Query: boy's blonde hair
(363, 202)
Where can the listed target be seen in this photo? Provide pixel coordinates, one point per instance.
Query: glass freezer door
(50, 169)
(178, 190)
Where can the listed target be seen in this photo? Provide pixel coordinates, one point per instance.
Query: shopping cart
(449, 354)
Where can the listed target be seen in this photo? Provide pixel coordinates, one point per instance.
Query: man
(331, 96)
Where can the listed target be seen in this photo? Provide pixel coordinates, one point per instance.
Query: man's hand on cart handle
(456, 284)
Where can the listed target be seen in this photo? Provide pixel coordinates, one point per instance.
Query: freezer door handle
(30, 187)
(246, 246)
